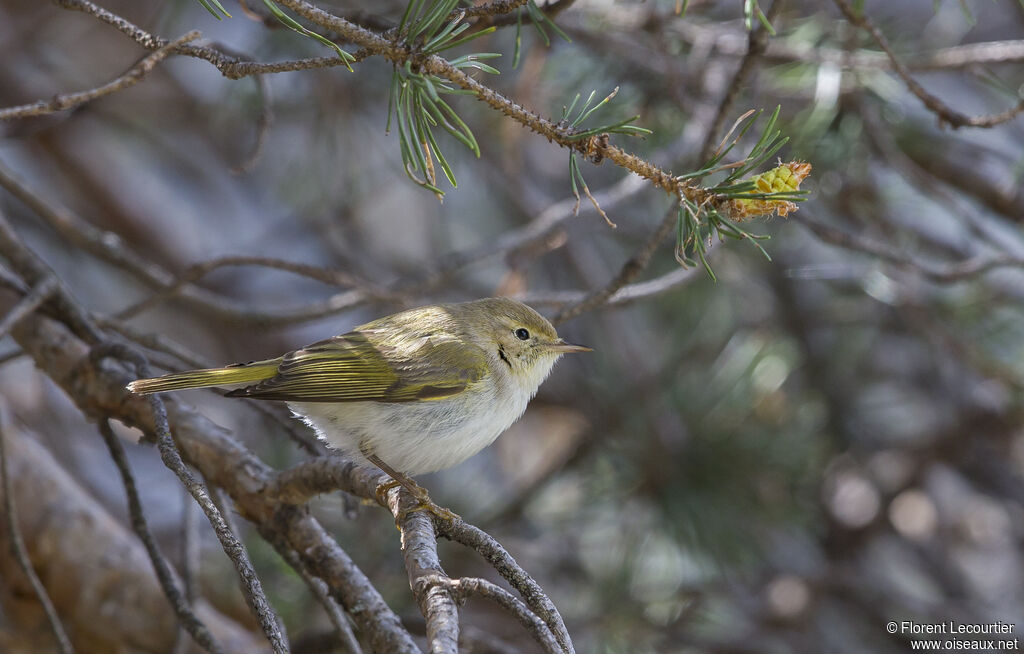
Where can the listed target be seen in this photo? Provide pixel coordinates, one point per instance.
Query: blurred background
(782, 460)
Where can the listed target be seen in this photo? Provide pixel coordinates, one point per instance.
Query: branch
(73, 541)
(735, 43)
(941, 273)
(628, 294)
(428, 581)
(164, 575)
(98, 390)
(335, 615)
(757, 43)
(321, 475)
(133, 76)
(629, 271)
(499, 10)
(197, 271)
(467, 587)
(97, 387)
(946, 115)
(42, 292)
(171, 457)
(109, 247)
(538, 601)
(493, 8)
(596, 148)
(29, 266)
(190, 561)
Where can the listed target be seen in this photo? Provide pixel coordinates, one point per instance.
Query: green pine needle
(215, 8)
(619, 127)
(293, 25)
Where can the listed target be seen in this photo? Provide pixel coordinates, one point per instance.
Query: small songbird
(413, 392)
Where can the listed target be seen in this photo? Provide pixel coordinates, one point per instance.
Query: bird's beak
(561, 346)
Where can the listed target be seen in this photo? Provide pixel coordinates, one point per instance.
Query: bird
(414, 392)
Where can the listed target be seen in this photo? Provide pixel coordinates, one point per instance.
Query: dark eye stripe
(522, 334)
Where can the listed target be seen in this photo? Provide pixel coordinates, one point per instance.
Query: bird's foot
(417, 491)
(383, 488)
(427, 504)
(423, 501)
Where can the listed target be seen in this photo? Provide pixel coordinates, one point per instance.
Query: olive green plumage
(416, 391)
(237, 373)
(419, 354)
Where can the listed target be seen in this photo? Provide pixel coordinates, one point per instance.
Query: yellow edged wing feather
(363, 366)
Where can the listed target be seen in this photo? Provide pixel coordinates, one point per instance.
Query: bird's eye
(522, 334)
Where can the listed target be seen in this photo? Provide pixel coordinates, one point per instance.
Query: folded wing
(352, 368)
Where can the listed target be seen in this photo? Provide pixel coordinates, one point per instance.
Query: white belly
(416, 437)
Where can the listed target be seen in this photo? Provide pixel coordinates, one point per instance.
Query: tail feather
(242, 373)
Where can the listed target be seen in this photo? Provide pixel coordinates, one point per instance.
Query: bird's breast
(418, 437)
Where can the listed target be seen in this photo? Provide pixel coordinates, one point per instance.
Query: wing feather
(361, 366)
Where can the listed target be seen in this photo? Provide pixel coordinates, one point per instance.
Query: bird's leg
(417, 491)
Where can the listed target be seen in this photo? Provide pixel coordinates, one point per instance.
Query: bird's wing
(353, 368)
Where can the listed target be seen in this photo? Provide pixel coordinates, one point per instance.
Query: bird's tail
(239, 373)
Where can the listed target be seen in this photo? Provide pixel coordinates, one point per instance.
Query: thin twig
(491, 550)
(377, 44)
(18, 547)
(336, 616)
(264, 120)
(628, 294)
(179, 603)
(466, 587)
(169, 454)
(109, 247)
(757, 43)
(629, 271)
(263, 123)
(34, 271)
(954, 272)
(197, 271)
(949, 116)
(735, 43)
(155, 342)
(189, 557)
(133, 76)
(230, 67)
(12, 281)
(39, 294)
(918, 176)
